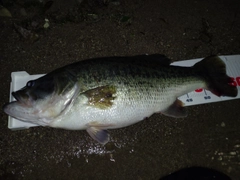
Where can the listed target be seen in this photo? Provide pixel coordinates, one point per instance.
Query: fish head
(34, 92)
(39, 101)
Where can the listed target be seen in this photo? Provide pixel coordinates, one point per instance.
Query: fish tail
(213, 69)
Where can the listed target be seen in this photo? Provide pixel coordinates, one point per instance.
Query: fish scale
(144, 99)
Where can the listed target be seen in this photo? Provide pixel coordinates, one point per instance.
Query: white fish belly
(124, 111)
(120, 114)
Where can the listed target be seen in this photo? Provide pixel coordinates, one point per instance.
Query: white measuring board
(200, 96)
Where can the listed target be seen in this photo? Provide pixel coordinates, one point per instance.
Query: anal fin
(175, 110)
(98, 133)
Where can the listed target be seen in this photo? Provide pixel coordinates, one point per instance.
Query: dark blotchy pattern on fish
(122, 71)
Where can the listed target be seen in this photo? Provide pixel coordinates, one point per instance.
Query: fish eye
(30, 83)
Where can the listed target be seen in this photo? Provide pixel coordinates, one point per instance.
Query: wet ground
(180, 29)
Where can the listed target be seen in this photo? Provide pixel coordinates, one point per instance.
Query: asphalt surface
(180, 29)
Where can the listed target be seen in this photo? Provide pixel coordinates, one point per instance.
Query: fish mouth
(17, 96)
(8, 108)
(17, 110)
(24, 100)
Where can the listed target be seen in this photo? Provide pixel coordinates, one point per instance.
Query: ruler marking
(205, 92)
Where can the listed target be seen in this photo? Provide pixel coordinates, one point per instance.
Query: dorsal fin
(155, 59)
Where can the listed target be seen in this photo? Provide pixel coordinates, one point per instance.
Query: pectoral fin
(175, 110)
(99, 133)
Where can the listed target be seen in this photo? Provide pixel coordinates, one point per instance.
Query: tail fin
(213, 69)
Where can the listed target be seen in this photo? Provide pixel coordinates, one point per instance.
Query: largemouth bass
(114, 92)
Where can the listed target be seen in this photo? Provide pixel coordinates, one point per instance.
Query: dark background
(81, 29)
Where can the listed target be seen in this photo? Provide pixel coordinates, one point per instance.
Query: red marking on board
(235, 81)
(238, 80)
(198, 90)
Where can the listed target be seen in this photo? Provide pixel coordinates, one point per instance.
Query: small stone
(111, 158)
(237, 146)
(46, 24)
(223, 124)
(233, 153)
